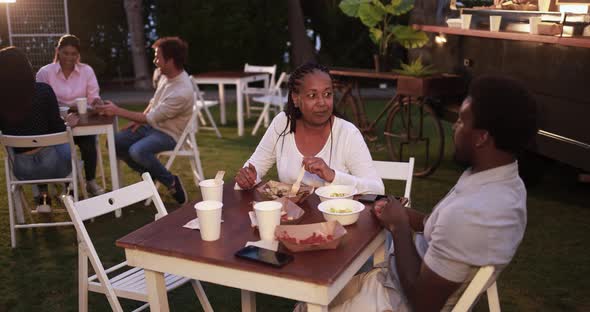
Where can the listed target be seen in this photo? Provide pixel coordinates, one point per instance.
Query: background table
(240, 79)
(315, 277)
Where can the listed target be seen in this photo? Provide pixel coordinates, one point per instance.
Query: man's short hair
(506, 109)
(173, 48)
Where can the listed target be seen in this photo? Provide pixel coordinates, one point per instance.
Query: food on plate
(341, 210)
(315, 238)
(335, 194)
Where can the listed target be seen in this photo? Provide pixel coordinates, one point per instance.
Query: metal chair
(129, 284)
(16, 200)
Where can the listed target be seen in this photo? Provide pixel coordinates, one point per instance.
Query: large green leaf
(370, 14)
(375, 34)
(399, 7)
(408, 37)
(351, 7)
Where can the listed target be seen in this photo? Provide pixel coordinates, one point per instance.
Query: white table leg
(156, 287)
(316, 308)
(248, 301)
(222, 117)
(113, 161)
(240, 108)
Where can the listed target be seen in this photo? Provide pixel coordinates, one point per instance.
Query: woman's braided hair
(293, 113)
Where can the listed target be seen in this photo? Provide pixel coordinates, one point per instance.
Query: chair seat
(251, 90)
(131, 284)
(207, 103)
(272, 99)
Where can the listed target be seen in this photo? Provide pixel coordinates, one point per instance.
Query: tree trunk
(302, 49)
(134, 12)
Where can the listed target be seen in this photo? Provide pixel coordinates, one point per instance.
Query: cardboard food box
(307, 237)
(290, 212)
(272, 190)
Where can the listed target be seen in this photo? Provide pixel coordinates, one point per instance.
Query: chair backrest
(393, 170)
(117, 199)
(483, 280)
(277, 90)
(35, 141)
(262, 69)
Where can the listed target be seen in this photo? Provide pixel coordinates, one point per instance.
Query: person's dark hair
(64, 41)
(293, 113)
(17, 85)
(506, 109)
(173, 48)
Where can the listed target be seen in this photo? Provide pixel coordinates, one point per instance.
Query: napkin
(272, 245)
(194, 224)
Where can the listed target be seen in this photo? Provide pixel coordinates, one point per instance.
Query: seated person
(309, 133)
(70, 79)
(37, 113)
(480, 222)
(159, 127)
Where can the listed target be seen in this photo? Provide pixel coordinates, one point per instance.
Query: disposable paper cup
(63, 112)
(268, 215)
(534, 24)
(82, 105)
(212, 190)
(544, 5)
(209, 214)
(465, 21)
(495, 21)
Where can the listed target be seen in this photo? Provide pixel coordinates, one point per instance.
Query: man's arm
(110, 109)
(417, 219)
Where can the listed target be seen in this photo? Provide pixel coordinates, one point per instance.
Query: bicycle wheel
(413, 130)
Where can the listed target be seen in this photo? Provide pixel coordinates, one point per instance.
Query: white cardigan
(345, 152)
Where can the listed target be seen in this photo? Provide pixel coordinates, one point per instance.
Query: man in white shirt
(159, 127)
(480, 222)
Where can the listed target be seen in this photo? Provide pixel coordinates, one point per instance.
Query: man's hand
(246, 177)
(108, 109)
(319, 167)
(97, 102)
(390, 213)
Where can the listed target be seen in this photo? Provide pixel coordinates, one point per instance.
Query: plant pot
(435, 85)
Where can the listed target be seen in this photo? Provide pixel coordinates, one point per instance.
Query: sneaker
(93, 188)
(177, 191)
(43, 203)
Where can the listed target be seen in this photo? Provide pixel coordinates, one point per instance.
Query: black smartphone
(255, 253)
(370, 198)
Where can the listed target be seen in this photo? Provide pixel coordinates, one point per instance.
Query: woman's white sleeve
(264, 157)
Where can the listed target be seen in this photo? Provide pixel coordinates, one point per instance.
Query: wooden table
(313, 277)
(94, 124)
(241, 80)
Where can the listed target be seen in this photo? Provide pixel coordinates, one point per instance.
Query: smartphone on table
(266, 256)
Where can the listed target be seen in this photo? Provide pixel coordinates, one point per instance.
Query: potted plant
(420, 80)
(380, 17)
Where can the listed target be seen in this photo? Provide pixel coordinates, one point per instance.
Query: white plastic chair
(248, 91)
(129, 284)
(478, 284)
(275, 97)
(16, 200)
(204, 105)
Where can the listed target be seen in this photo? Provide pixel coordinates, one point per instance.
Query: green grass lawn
(549, 273)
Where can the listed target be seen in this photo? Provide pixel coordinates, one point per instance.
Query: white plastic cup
(82, 105)
(268, 216)
(211, 190)
(534, 24)
(465, 21)
(209, 214)
(63, 112)
(544, 5)
(495, 21)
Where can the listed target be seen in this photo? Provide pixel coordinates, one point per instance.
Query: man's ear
(483, 138)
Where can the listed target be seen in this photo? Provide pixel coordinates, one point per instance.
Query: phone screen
(277, 259)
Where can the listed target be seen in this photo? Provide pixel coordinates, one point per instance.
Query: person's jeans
(87, 145)
(50, 162)
(139, 149)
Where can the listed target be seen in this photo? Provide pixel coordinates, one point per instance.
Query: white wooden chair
(483, 280)
(16, 199)
(396, 170)
(276, 97)
(249, 91)
(129, 284)
(203, 105)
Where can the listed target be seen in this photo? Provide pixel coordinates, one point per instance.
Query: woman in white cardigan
(308, 134)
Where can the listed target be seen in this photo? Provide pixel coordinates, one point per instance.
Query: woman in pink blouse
(70, 80)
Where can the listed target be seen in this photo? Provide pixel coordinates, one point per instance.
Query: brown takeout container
(291, 213)
(272, 190)
(287, 233)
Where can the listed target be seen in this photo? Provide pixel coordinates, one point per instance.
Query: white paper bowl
(326, 192)
(345, 218)
(454, 23)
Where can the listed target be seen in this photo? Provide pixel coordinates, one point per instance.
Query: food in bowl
(345, 211)
(335, 191)
(273, 190)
